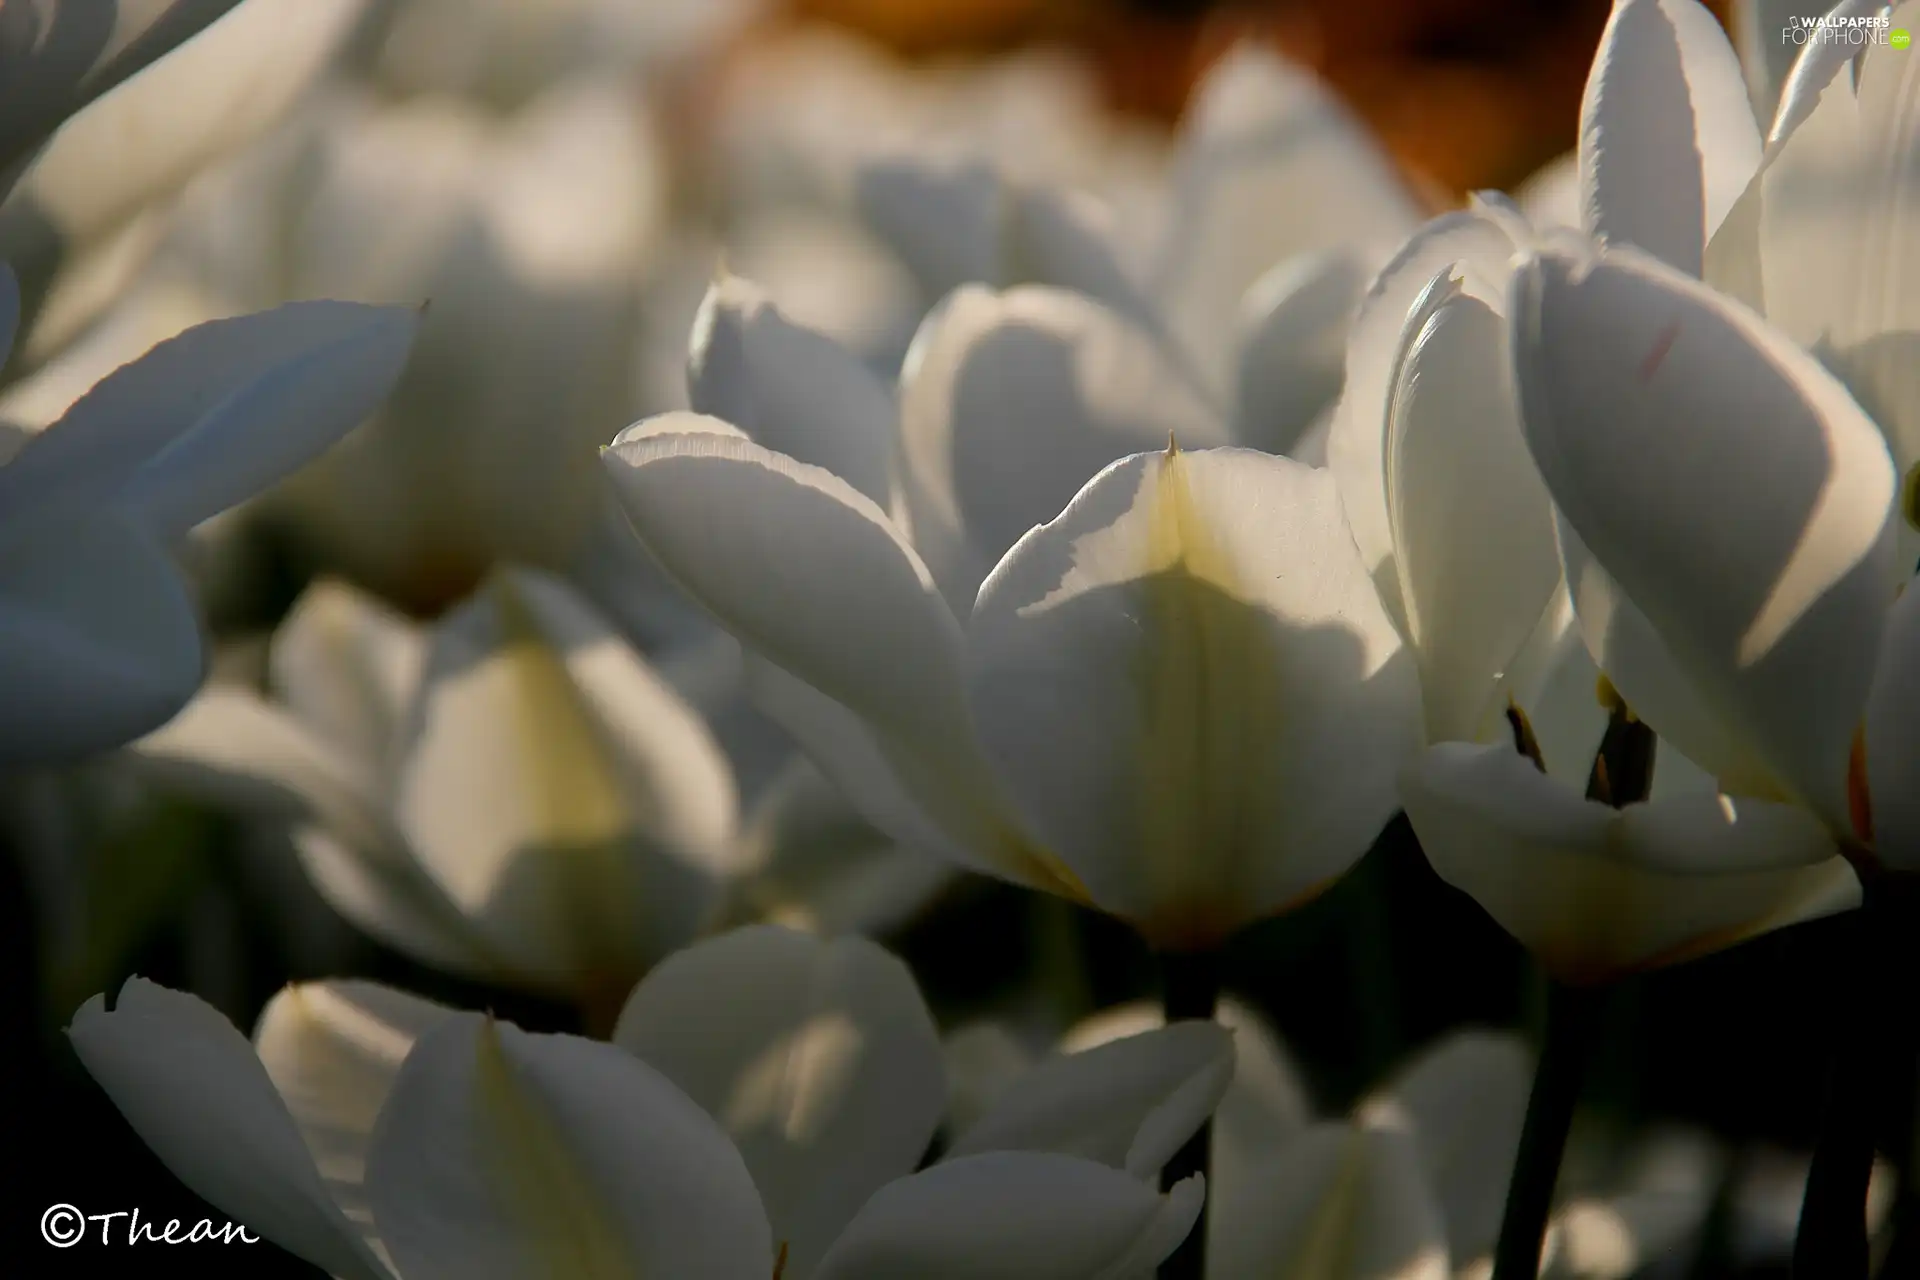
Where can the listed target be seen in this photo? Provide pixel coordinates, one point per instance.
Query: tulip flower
(512, 794)
(88, 208)
(776, 1134)
(99, 640)
(1251, 287)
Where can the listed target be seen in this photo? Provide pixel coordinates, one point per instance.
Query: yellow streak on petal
(1206, 685)
(569, 1233)
(1327, 1251)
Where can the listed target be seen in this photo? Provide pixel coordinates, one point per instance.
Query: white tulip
(81, 219)
(511, 794)
(380, 1136)
(99, 641)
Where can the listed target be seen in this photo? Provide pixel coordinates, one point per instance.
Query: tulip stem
(1190, 989)
(1873, 1056)
(1573, 1025)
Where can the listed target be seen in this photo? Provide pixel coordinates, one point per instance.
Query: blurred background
(611, 151)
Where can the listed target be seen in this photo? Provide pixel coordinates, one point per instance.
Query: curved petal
(1130, 1103)
(1014, 1216)
(332, 1050)
(984, 1060)
(1011, 402)
(1732, 489)
(1292, 346)
(347, 665)
(1596, 893)
(56, 59)
(811, 575)
(790, 389)
(1892, 741)
(1266, 1104)
(1340, 1202)
(1483, 240)
(217, 414)
(193, 1090)
(568, 800)
(1473, 530)
(1550, 197)
(1190, 685)
(826, 1070)
(1464, 1101)
(1667, 135)
(1269, 164)
(99, 640)
(501, 1155)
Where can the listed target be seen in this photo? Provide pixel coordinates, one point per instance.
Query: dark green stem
(1191, 989)
(1573, 1024)
(1872, 1061)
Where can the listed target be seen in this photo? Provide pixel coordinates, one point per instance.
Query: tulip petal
(813, 577)
(566, 798)
(1051, 379)
(1483, 240)
(1730, 487)
(347, 665)
(826, 1071)
(790, 389)
(191, 1087)
(984, 1060)
(1129, 1103)
(215, 415)
(1464, 1101)
(1189, 683)
(1340, 1202)
(332, 1050)
(1597, 893)
(1667, 135)
(99, 640)
(1266, 1104)
(501, 1155)
(1472, 524)
(1269, 165)
(1014, 1216)
(1292, 347)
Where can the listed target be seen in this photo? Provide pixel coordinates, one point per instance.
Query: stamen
(1523, 740)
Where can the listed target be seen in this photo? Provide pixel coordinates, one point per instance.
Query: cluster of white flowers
(1140, 524)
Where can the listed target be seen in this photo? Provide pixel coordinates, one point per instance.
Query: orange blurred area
(1466, 93)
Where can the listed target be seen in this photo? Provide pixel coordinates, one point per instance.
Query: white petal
(1356, 445)
(790, 389)
(1014, 1216)
(1270, 165)
(1464, 1101)
(217, 414)
(99, 640)
(1339, 1203)
(1551, 196)
(1266, 1105)
(567, 799)
(1011, 402)
(1472, 524)
(501, 1155)
(1893, 738)
(1596, 893)
(826, 1070)
(984, 1060)
(1729, 485)
(53, 61)
(1667, 135)
(1188, 681)
(1813, 70)
(1129, 1103)
(332, 1050)
(347, 665)
(191, 1087)
(811, 575)
(945, 218)
(1292, 346)
(233, 749)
